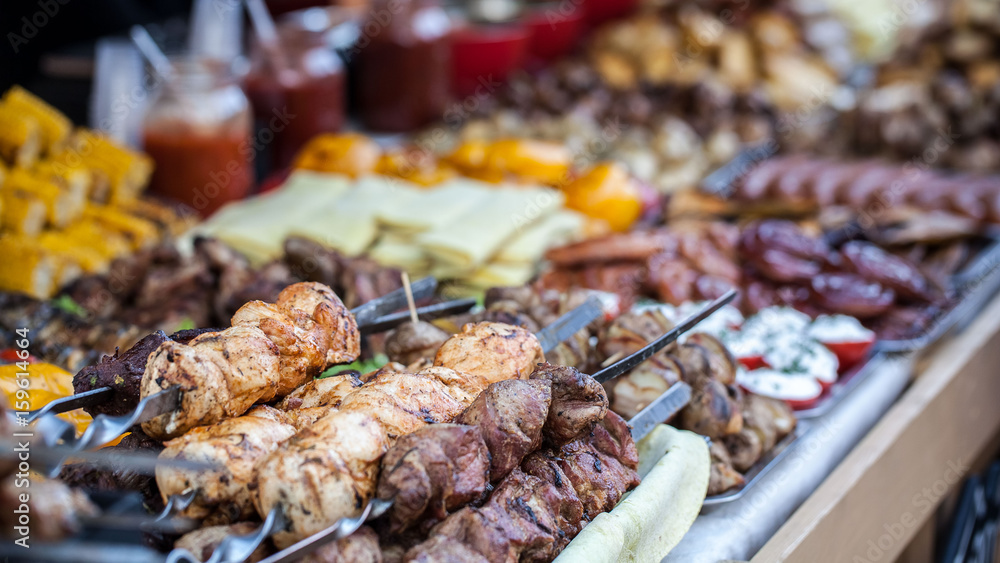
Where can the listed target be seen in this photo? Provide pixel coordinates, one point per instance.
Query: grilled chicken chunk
(328, 391)
(301, 342)
(510, 415)
(234, 446)
(463, 387)
(221, 374)
(496, 351)
(765, 422)
(403, 402)
(578, 402)
(359, 547)
(433, 472)
(323, 473)
(321, 305)
(203, 542)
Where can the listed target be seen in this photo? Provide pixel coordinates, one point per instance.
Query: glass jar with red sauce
(197, 131)
(297, 91)
(403, 63)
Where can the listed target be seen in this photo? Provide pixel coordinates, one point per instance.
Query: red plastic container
(554, 30)
(483, 56)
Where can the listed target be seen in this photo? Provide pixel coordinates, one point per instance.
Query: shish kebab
(371, 316)
(271, 349)
(564, 385)
(224, 496)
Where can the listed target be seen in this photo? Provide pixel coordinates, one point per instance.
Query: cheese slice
(477, 234)
(501, 275)
(349, 223)
(528, 246)
(435, 208)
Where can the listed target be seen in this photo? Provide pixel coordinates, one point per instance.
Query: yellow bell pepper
(606, 192)
(547, 163)
(415, 166)
(350, 154)
(470, 159)
(46, 383)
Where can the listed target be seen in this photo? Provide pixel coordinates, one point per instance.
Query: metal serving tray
(844, 385)
(767, 462)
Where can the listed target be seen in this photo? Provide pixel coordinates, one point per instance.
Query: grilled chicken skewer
(502, 463)
(111, 386)
(221, 497)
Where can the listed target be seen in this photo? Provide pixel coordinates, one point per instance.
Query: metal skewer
(662, 408)
(105, 428)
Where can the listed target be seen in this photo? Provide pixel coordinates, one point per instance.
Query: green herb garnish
(362, 366)
(186, 324)
(66, 304)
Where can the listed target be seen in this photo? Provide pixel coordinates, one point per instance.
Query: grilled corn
(21, 212)
(25, 268)
(54, 126)
(20, 137)
(62, 205)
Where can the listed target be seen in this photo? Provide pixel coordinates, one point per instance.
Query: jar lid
(493, 11)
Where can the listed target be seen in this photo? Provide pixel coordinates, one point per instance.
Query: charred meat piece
(578, 402)
(510, 414)
(723, 477)
(877, 265)
(599, 479)
(850, 294)
(123, 373)
(433, 472)
(403, 402)
(411, 342)
(713, 411)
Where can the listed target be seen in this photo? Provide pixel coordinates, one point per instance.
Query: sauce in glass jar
(403, 61)
(198, 133)
(297, 91)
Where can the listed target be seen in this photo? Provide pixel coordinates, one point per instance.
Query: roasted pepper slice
(606, 192)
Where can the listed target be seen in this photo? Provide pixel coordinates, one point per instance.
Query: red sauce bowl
(555, 29)
(483, 56)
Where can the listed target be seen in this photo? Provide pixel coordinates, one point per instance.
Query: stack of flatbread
(479, 234)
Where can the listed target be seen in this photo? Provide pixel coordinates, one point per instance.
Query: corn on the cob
(20, 137)
(22, 212)
(62, 206)
(75, 180)
(55, 127)
(139, 232)
(79, 252)
(109, 243)
(25, 268)
(127, 171)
